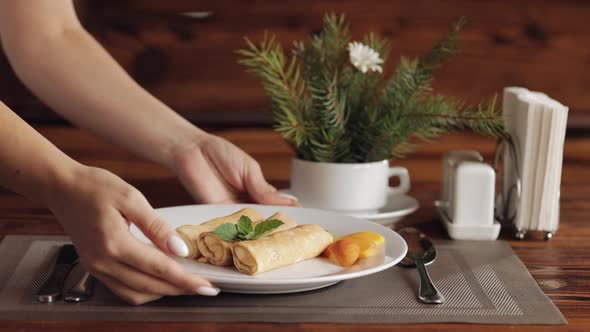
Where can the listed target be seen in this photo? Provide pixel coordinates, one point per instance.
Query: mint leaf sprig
(244, 230)
(334, 235)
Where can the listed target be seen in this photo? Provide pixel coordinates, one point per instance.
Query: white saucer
(396, 207)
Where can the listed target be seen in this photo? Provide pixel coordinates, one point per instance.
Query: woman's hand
(96, 209)
(215, 171)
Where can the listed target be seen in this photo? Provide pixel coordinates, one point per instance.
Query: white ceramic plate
(396, 207)
(311, 274)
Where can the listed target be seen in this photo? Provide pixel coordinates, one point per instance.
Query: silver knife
(52, 289)
(82, 290)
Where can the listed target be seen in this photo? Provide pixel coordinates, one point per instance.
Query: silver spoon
(421, 252)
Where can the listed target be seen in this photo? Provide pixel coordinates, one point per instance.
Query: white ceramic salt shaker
(469, 212)
(451, 160)
(473, 194)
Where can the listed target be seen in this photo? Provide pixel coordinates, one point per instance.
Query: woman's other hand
(96, 209)
(216, 171)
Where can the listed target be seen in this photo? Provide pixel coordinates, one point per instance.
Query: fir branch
(329, 111)
(325, 54)
(380, 45)
(414, 77)
(446, 47)
(334, 39)
(410, 82)
(385, 143)
(324, 57)
(330, 105)
(438, 115)
(440, 112)
(363, 90)
(402, 149)
(330, 114)
(283, 84)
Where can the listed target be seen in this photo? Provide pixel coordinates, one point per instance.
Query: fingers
(261, 191)
(218, 171)
(148, 260)
(137, 210)
(276, 198)
(128, 294)
(202, 179)
(153, 262)
(208, 188)
(145, 283)
(146, 270)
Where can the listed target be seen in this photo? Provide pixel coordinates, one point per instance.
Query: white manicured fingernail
(208, 291)
(288, 196)
(177, 246)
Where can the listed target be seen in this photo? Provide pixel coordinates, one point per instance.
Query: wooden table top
(560, 266)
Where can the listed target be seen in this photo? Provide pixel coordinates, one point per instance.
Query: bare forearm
(74, 75)
(29, 164)
(83, 83)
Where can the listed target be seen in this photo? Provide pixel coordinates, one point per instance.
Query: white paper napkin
(537, 125)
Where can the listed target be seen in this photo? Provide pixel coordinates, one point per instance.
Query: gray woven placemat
(483, 282)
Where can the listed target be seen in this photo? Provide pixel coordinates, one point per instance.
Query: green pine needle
(331, 112)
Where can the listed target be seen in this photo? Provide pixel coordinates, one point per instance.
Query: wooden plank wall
(191, 64)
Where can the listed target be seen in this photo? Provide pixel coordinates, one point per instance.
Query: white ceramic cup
(360, 188)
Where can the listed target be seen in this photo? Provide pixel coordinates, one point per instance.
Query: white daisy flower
(364, 58)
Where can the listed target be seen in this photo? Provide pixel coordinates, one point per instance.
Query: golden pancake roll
(218, 251)
(190, 233)
(280, 249)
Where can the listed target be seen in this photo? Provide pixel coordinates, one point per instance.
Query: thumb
(162, 235)
(264, 193)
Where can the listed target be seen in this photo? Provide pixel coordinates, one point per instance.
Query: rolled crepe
(190, 233)
(280, 249)
(218, 251)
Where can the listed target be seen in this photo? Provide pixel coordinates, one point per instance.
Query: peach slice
(346, 250)
(343, 252)
(367, 241)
